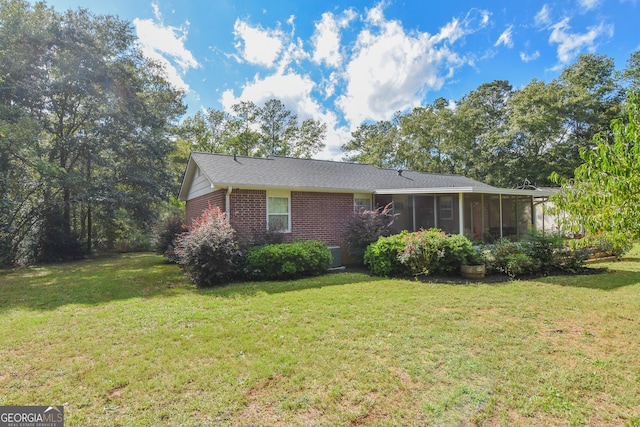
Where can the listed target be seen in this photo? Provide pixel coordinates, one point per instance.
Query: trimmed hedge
(382, 256)
(287, 260)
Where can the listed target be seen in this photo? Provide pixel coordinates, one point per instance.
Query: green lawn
(127, 341)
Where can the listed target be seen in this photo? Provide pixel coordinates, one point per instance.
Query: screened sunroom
(480, 216)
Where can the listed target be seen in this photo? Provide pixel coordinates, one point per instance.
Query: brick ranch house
(316, 199)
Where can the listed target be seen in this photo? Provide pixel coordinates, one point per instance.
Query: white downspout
(227, 203)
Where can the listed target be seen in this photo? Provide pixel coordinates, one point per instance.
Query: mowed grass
(126, 340)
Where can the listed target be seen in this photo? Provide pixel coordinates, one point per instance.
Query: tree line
(501, 135)
(86, 128)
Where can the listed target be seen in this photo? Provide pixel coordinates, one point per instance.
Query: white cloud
(570, 45)
(326, 39)
(589, 4)
(386, 69)
(505, 38)
(543, 17)
(166, 45)
(391, 70)
(256, 45)
(528, 57)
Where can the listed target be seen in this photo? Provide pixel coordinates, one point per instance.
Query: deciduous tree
(603, 195)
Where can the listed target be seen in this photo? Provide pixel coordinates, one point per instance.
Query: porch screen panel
(425, 217)
(473, 217)
(403, 208)
(492, 217)
(525, 215)
(448, 218)
(510, 217)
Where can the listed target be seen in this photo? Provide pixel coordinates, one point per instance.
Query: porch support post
(413, 203)
(501, 216)
(482, 216)
(435, 211)
(461, 213)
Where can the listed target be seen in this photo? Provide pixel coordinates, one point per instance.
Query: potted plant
(473, 267)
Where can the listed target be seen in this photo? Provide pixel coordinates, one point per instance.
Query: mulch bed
(489, 278)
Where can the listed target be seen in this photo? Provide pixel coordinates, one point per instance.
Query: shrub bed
(433, 252)
(287, 260)
(420, 253)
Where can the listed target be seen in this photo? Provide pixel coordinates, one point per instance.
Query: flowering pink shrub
(209, 252)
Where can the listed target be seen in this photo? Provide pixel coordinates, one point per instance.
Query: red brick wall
(199, 204)
(315, 216)
(320, 216)
(248, 213)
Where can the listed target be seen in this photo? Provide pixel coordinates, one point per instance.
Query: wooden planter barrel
(472, 271)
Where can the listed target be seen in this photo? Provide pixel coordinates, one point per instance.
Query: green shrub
(287, 260)
(605, 243)
(510, 258)
(542, 248)
(423, 252)
(165, 233)
(571, 260)
(458, 250)
(209, 252)
(382, 256)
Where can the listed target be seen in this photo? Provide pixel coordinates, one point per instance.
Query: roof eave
(466, 190)
(249, 186)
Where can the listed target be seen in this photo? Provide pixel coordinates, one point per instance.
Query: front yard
(126, 340)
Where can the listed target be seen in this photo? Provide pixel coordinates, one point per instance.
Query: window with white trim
(446, 207)
(279, 211)
(361, 202)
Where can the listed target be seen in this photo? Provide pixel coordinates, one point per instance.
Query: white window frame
(362, 197)
(446, 213)
(280, 195)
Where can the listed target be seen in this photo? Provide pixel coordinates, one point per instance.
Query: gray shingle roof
(319, 175)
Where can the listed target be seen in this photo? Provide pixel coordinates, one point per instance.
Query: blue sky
(347, 62)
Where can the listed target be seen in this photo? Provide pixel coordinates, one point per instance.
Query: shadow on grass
(617, 275)
(120, 277)
(247, 289)
(92, 281)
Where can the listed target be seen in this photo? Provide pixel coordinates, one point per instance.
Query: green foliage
(543, 247)
(604, 194)
(287, 260)
(510, 258)
(209, 252)
(570, 259)
(540, 253)
(165, 233)
(85, 123)
(280, 132)
(366, 227)
(53, 244)
(423, 252)
(604, 244)
(382, 256)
